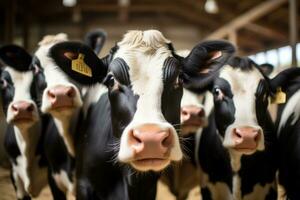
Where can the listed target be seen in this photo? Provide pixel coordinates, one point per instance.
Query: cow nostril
(184, 112)
(135, 137)
(30, 108)
(237, 133)
(71, 92)
(257, 137)
(51, 94)
(201, 113)
(167, 141)
(14, 108)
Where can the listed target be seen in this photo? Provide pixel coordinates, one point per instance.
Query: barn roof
(269, 30)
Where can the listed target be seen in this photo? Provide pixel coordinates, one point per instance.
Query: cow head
(241, 92)
(144, 80)
(192, 115)
(61, 97)
(20, 85)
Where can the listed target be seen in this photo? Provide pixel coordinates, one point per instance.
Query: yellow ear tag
(280, 97)
(78, 65)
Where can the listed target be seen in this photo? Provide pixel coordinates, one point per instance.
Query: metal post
(293, 29)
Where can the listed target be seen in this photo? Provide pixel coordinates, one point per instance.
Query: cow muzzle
(246, 139)
(22, 112)
(61, 97)
(151, 147)
(192, 118)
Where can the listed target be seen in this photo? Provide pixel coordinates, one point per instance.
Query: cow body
(237, 150)
(288, 136)
(24, 134)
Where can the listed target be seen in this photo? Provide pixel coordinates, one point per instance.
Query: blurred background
(264, 29)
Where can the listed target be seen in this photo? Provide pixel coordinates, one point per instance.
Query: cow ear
(201, 65)
(95, 39)
(16, 57)
(79, 62)
(266, 68)
(284, 79)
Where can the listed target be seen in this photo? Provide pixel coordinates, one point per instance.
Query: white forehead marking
(243, 86)
(189, 98)
(145, 53)
(22, 82)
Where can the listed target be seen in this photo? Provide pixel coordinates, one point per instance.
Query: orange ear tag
(78, 65)
(279, 98)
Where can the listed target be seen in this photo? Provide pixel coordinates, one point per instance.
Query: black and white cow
(288, 124)
(20, 87)
(182, 179)
(138, 113)
(238, 149)
(62, 99)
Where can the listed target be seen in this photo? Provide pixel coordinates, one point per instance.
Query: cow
(62, 99)
(183, 178)
(288, 136)
(133, 124)
(20, 86)
(238, 149)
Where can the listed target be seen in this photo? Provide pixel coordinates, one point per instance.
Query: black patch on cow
(243, 63)
(16, 57)
(95, 39)
(7, 90)
(172, 92)
(120, 70)
(10, 144)
(289, 157)
(224, 107)
(99, 70)
(205, 193)
(123, 107)
(213, 157)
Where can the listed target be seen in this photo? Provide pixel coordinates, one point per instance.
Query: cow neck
(27, 139)
(66, 125)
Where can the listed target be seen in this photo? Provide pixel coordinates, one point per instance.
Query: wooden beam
(293, 30)
(265, 31)
(247, 17)
(232, 37)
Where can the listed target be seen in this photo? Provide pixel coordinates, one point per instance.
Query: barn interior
(266, 30)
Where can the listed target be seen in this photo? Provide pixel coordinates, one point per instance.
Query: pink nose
(22, 109)
(61, 96)
(246, 137)
(150, 141)
(192, 115)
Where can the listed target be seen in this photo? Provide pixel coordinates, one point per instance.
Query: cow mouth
(62, 107)
(23, 119)
(146, 164)
(245, 150)
(195, 123)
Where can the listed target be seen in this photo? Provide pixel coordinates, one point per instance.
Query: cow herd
(112, 127)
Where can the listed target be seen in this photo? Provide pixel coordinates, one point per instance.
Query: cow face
(144, 78)
(234, 92)
(241, 91)
(20, 83)
(61, 97)
(192, 115)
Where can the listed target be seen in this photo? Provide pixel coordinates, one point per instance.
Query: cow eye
(178, 82)
(109, 81)
(217, 92)
(3, 83)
